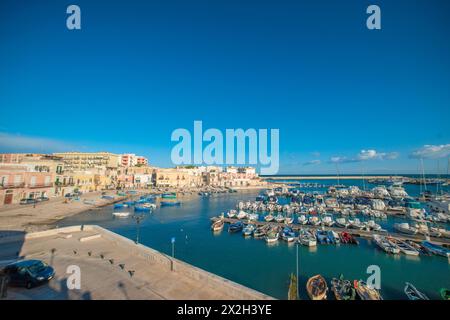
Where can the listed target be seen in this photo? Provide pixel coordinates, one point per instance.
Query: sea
(267, 267)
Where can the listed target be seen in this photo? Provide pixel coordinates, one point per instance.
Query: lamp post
(138, 218)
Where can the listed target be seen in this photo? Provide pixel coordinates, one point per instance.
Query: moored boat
(317, 288)
(272, 235)
(122, 214)
(307, 238)
(235, 227)
(403, 246)
(404, 227)
(218, 225)
(248, 230)
(269, 218)
(365, 292)
(347, 238)
(386, 245)
(413, 294)
(342, 289)
(322, 237)
(288, 234)
(436, 249)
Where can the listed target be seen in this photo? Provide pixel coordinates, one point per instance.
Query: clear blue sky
(140, 69)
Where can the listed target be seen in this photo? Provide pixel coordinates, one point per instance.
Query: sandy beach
(45, 214)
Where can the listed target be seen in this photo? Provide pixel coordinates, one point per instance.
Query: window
(33, 181)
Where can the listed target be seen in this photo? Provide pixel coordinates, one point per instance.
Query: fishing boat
(355, 224)
(171, 195)
(327, 221)
(342, 289)
(279, 218)
(347, 238)
(342, 222)
(307, 238)
(253, 216)
(218, 225)
(269, 218)
(261, 231)
(149, 205)
(333, 236)
(288, 220)
(122, 214)
(235, 227)
(170, 203)
(317, 288)
(314, 221)
(231, 214)
(322, 237)
(248, 230)
(242, 215)
(386, 245)
(365, 292)
(436, 249)
(288, 234)
(445, 294)
(372, 225)
(141, 208)
(404, 227)
(120, 205)
(422, 250)
(403, 246)
(413, 294)
(272, 235)
(302, 220)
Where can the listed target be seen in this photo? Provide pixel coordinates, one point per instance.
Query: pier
(354, 232)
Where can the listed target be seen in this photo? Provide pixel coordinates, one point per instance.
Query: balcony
(40, 185)
(12, 185)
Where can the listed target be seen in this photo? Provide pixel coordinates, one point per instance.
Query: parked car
(40, 199)
(28, 201)
(28, 273)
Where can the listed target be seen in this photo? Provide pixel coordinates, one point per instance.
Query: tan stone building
(79, 161)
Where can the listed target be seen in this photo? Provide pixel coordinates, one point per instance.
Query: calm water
(263, 267)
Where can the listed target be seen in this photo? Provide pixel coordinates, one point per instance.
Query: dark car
(40, 199)
(28, 273)
(27, 201)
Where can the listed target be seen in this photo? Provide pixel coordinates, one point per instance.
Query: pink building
(20, 181)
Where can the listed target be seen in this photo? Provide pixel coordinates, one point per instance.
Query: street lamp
(138, 218)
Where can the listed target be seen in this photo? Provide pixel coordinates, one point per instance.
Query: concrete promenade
(113, 267)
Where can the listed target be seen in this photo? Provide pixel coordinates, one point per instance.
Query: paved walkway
(109, 271)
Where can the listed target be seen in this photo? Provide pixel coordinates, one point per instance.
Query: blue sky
(137, 70)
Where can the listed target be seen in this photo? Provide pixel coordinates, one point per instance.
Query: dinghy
(342, 289)
(307, 238)
(217, 225)
(317, 288)
(365, 292)
(235, 227)
(122, 214)
(413, 294)
(404, 247)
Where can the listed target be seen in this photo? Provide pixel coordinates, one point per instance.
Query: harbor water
(266, 267)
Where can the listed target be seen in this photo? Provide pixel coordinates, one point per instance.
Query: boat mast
(423, 175)
(337, 171)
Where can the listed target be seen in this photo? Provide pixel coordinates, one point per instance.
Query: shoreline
(46, 215)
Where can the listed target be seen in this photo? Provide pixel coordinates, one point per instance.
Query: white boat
(242, 214)
(122, 214)
(279, 218)
(302, 219)
(386, 245)
(253, 217)
(404, 247)
(307, 238)
(342, 222)
(404, 227)
(314, 221)
(269, 218)
(231, 214)
(327, 221)
(355, 224)
(289, 220)
(372, 225)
